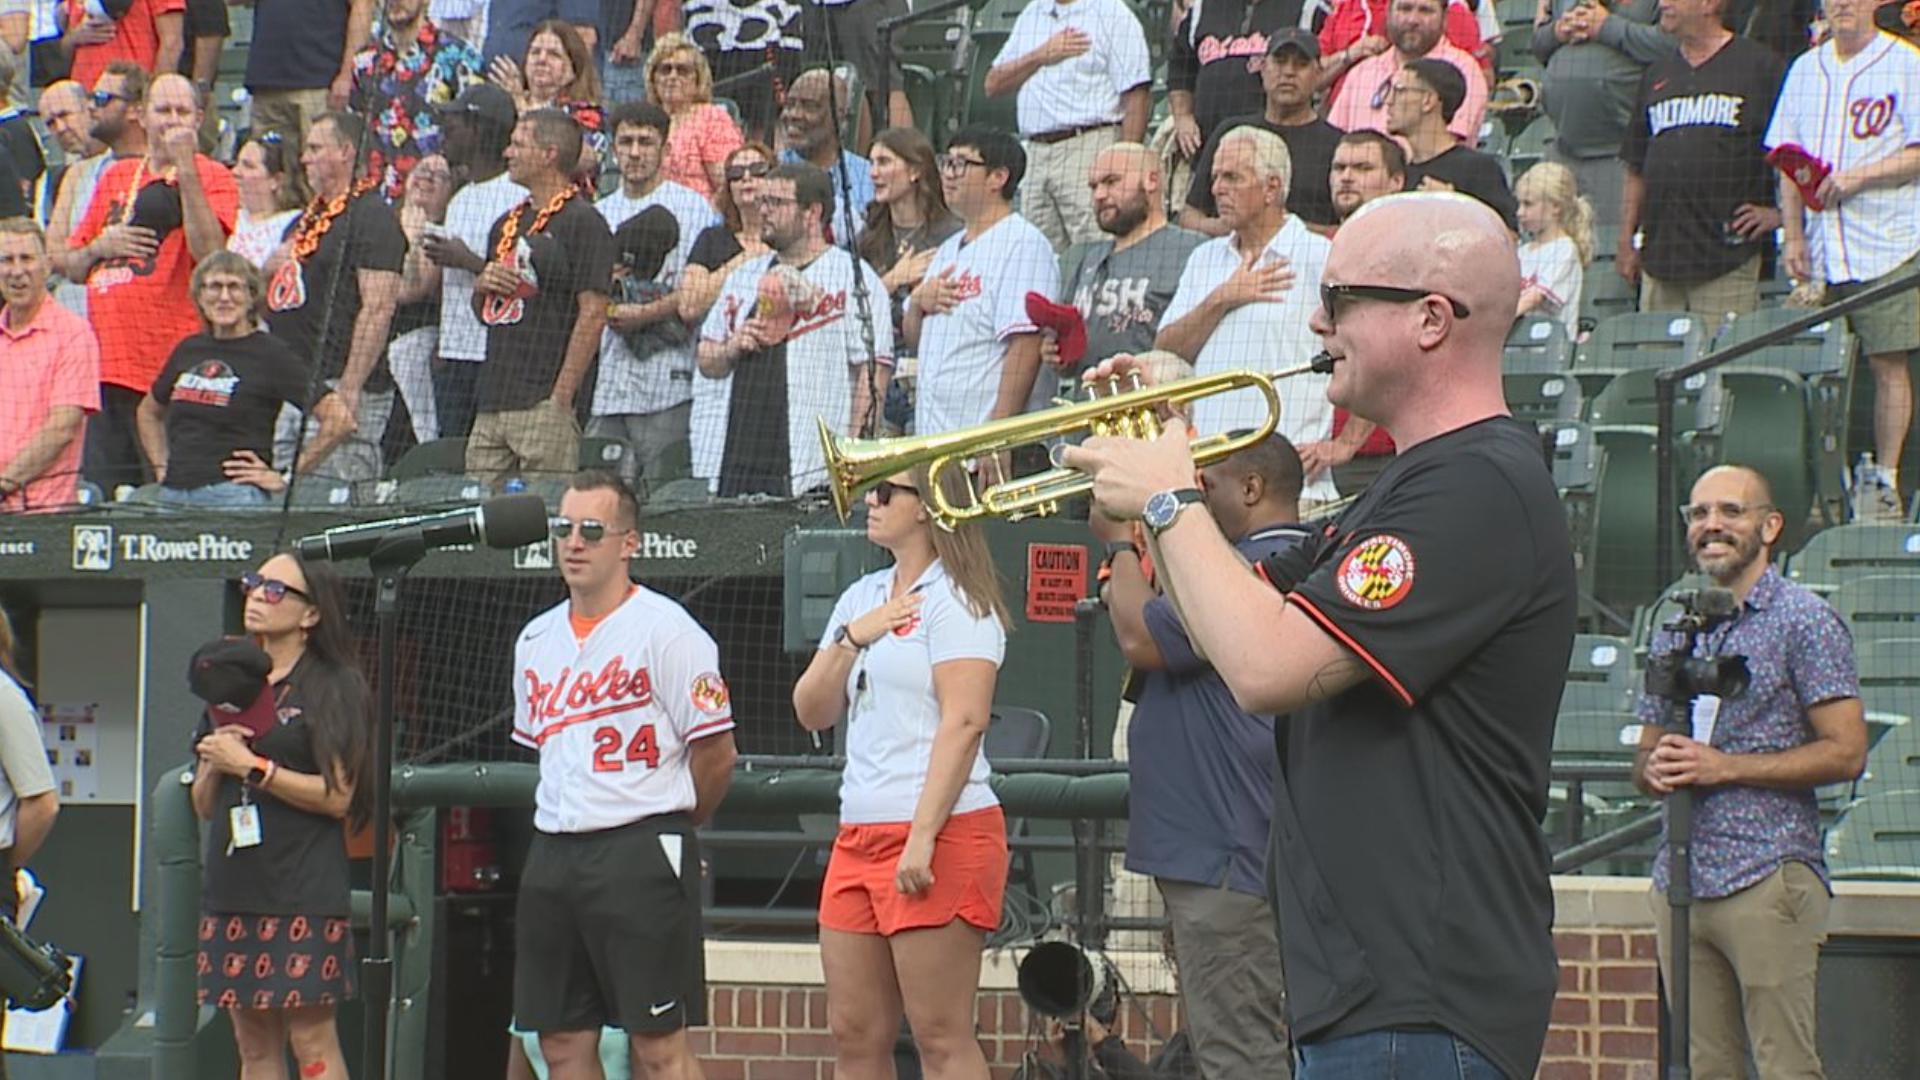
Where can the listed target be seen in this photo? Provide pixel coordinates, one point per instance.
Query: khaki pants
(542, 439)
(1737, 292)
(1055, 195)
(1756, 957)
(1227, 953)
(287, 112)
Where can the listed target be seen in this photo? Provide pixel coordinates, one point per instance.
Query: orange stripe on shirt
(1330, 627)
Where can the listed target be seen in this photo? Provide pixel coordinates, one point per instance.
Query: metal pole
(1680, 903)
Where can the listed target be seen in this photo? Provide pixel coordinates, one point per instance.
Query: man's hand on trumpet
(1126, 472)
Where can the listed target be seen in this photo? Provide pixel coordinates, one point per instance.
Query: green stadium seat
(88, 493)
(603, 453)
(997, 112)
(1656, 339)
(1543, 343)
(1529, 146)
(1594, 736)
(1603, 293)
(311, 492)
(438, 457)
(1601, 676)
(440, 489)
(1534, 372)
(1878, 838)
(1822, 356)
(1831, 556)
(1768, 427)
(1883, 611)
(684, 492)
(1579, 470)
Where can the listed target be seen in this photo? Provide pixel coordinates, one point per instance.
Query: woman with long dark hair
(915, 881)
(275, 949)
(906, 222)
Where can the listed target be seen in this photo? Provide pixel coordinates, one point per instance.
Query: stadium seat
(1594, 736)
(441, 456)
(88, 493)
(687, 491)
(550, 489)
(1831, 556)
(991, 25)
(1015, 732)
(439, 489)
(1640, 340)
(1600, 675)
(1529, 147)
(1882, 610)
(1822, 356)
(603, 453)
(1534, 371)
(1878, 838)
(1604, 294)
(1768, 427)
(1579, 470)
(315, 493)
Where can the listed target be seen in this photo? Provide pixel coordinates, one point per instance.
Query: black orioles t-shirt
(222, 396)
(301, 296)
(300, 864)
(527, 338)
(1409, 870)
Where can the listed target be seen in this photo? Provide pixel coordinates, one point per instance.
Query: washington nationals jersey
(613, 716)
(1848, 115)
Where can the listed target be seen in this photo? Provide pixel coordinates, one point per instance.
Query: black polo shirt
(1408, 868)
(1310, 146)
(527, 338)
(1696, 139)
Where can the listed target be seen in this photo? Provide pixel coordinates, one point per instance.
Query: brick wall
(1605, 1022)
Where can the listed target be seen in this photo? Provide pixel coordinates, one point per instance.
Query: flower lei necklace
(319, 216)
(510, 228)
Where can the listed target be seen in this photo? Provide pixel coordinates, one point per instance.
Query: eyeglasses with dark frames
(1334, 297)
(737, 173)
(272, 590)
(885, 490)
(956, 165)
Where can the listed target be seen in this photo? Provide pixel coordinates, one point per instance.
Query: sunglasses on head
(591, 531)
(272, 590)
(885, 490)
(737, 173)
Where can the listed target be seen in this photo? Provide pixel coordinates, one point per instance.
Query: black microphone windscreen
(512, 521)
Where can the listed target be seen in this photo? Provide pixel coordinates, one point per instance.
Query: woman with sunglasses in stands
(207, 424)
(717, 252)
(275, 949)
(272, 190)
(703, 134)
(914, 885)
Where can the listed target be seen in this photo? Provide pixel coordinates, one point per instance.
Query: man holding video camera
(1758, 872)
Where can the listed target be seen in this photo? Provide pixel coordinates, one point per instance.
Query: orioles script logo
(612, 689)
(965, 287)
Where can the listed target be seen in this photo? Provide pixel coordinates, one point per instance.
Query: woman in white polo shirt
(910, 658)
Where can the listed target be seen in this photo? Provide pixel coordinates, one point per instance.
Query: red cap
(1069, 329)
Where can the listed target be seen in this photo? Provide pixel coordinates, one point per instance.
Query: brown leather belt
(1048, 138)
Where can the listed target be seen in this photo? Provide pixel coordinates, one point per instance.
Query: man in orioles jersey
(619, 690)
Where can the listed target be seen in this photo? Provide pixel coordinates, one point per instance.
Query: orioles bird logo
(234, 965)
(268, 927)
(263, 966)
(298, 930)
(1377, 573)
(330, 969)
(292, 1000)
(236, 928)
(263, 999)
(208, 927)
(297, 965)
(228, 999)
(336, 929)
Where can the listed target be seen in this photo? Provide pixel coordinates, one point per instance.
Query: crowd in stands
(698, 229)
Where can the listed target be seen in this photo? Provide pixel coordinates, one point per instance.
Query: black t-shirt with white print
(527, 337)
(301, 297)
(223, 395)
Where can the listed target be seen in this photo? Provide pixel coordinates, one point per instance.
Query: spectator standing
(1423, 101)
(1417, 31)
(1082, 78)
(1239, 302)
(511, 24)
(1356, 29)
(1366, 165)
(848, 32)
(49, 382)
(19, 141)
(68, 113)
(1865, 126)
(908, 219)
(787, 329)
(1758, 868)
(119, 110)
(28, 801)
(207, 427)
(151, 219)
(810, 120)
(717, 253)
(1698, 186)
(1558, 225)
(476, 128)
(339, 273)
(20, 22)
(753, 46)
(148, 33)
(679, 81)
(1123, 284)
(543, 298)
(1595, 54)
(267, 174)
(301, 61)
(1214, 60)
(979, 350)
(410, 70)
(415, 344)
(644, 390)
(1288, 76)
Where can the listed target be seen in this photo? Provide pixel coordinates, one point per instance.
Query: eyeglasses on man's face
(1335, 299)
(957, 165)
(1728, 510)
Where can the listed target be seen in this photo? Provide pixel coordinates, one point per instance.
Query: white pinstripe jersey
(613, 716)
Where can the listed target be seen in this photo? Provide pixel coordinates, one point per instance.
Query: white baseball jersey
(1265, 336)
(1848, 115)
(1554, 268)
(1085, 90)
(613, 716)
(470, 216)
(963, 351)
(892, 712)
(638, 385)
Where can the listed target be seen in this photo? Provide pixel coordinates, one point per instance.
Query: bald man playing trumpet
(1418, 644)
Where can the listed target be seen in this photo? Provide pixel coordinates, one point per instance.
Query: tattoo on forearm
(1333, 678)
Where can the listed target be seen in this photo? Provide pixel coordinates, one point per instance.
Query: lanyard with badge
(243, 821)
(860, 681)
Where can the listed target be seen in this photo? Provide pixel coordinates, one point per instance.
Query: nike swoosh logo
(661, 1009)
(532, 634)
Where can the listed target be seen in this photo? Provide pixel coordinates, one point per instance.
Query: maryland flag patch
(1376, 573)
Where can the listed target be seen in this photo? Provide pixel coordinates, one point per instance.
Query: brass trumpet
(1129, 410)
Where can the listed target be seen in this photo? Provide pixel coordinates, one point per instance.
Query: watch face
(1160, 508)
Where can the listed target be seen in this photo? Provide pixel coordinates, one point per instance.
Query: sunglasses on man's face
(591, 530)
(737, 173)
(885, 490)
(1334, 298)
(104, 98)
(272, 590)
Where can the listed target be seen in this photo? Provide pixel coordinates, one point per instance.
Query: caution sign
(1056, 580)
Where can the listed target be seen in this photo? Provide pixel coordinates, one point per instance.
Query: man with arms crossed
(619, 691)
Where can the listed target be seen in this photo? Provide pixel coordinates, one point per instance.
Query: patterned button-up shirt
(1800, 654)
(399, 92)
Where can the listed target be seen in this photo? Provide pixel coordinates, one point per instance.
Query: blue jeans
(1394, 1055)
(624, 82)
(216, 496)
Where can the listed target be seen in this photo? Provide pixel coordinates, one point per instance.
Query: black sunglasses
(737, 173)
(273, 589)
(104, 98)
(591, 531)
(1333, 297)
(885, 490)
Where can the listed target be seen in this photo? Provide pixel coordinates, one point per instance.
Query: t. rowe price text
(207, 547)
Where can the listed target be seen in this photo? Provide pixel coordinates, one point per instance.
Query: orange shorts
(969, 877)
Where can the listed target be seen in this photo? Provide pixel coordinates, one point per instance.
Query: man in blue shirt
(1758, 869)
(1203, 777)
(809, 119)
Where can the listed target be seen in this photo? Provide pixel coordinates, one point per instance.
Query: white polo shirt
(1262, 337)
(1084, 91)
(613, 716)
(638, 385)
(1848, 115)
(963, 351)
(892, 711)
(470, 216)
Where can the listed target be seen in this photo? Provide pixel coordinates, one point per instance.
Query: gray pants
(358, 457)
(1228, 958)
(648, 436)
(1600, 179)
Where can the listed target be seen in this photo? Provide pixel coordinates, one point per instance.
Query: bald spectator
(68, 114)
(1123, 284)
(49, 378)
(1245, 298)
(1595, 53)
(1416, 31)
(810, 124)
(1289, 74)
(1425, 98)
(1080, 71)
(151, 220)
(148, 33)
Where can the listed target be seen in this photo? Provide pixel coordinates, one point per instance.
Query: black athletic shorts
(608, 933)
